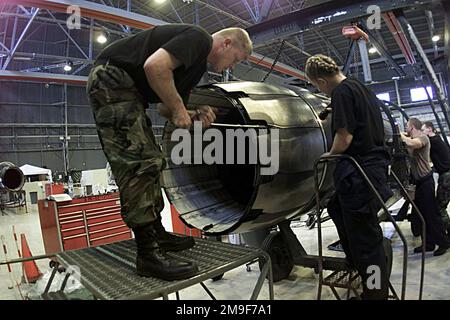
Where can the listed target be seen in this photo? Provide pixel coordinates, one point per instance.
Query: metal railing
(334, 158)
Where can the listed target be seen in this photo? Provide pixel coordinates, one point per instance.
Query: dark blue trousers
(426, 202)
(353, 210)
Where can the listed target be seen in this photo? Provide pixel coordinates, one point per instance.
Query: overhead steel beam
(91, 39)
(94, 10)
(14, 32)
(83, 66)
(51, 21)
(6, 23)
(428, 69)
(245, 23)
(255, 57)
(249, 10)
(446, 7)
(423, 56)
(19, 41)
(174, 10)
(114, 15)
(68, 35)
(287, 44)
(399, 35)
(24, 10)
(382, 50)
(143, 6)
(42, 77)
(50, 67)
(279, 67)
(218, 19)
(319, 33)
(301, 45)
(265, 10)
(4, 47)
(196, 14)
(385, 59)
(124, 28)
(257, 11)
(48, 56)
(289, 60)
(430, 21)
(327, 12)
(397, 56)
(225, 13)
(379, 37)
(290, 45)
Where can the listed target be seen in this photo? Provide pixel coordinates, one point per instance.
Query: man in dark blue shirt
(358, 132)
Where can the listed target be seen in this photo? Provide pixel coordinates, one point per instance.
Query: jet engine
(227, 196)
(11, 177)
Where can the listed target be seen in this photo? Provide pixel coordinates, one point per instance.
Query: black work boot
(151, 261)
(170, 242)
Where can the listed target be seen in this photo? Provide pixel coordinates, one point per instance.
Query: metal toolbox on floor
(81, 222)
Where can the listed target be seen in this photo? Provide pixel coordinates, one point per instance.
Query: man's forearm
(338, 147)
(161, 81)
(341, 143)
(412, 143)
(166, 113)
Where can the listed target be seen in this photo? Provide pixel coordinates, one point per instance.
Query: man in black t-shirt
(440, 156)
(358, 131)
(160, 65)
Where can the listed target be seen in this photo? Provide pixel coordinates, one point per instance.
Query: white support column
(365, 60)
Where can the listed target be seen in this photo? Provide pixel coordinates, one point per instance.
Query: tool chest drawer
(82, 222)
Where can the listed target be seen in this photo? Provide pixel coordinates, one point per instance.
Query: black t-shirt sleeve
(190, 46)
(342, 103)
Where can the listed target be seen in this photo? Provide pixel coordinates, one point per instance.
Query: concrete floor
(239, 283)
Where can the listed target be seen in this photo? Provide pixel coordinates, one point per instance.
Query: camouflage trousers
(125, 133)
(443, 196)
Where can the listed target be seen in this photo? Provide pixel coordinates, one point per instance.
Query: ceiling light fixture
(102, 39)
(68, 66)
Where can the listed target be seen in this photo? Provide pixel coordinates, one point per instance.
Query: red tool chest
(81, 222)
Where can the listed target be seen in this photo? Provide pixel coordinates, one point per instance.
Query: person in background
(418, 146)
(440, 156)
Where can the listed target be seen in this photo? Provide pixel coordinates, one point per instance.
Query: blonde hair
(319, 66)
(241, 36)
